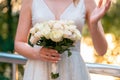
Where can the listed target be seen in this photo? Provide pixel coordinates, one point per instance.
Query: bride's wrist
(94, 25)
(36, 54)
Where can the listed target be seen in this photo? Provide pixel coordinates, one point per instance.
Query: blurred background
(9, 14)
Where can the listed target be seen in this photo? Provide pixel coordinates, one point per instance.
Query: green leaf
(69, 53)
(54, 76)
(61, 46)
(29, 40)
(58, 48)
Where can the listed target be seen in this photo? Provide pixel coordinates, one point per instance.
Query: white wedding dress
(70, 68)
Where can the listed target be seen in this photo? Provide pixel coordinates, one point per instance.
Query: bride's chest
(41, 12)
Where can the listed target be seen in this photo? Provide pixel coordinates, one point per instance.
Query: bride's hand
(99, 11)
(49, 55)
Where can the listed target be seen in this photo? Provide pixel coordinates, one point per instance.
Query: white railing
(103, 69)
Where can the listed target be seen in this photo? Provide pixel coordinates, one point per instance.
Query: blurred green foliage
(8, 24)
(111, 21)
(3, 78)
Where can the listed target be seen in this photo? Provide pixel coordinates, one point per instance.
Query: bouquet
(59, 35)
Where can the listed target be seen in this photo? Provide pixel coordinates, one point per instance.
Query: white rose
(66, 27)
(70, 27)
(57, 26)
(51, 23)
(35, 28)
(32, 30)
(40, 26)
(67, 34)
(78, 34)
(56, 35)
(70, 22)
(33, 40)
(46, 31)
(38, 35)
(73, 37)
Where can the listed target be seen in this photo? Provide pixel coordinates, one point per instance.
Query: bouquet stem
(54, 73)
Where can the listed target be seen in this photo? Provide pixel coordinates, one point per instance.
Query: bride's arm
(94, 14)
(23, 28)
(21, 45)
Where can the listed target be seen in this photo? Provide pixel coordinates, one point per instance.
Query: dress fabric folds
(70, 68)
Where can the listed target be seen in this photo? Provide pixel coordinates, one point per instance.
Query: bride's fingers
(52, 58)
(52, 51)
(53, 54)
(49, 55)
(100, 3)
(43, 59)
(108, 3)
(106, 7)
(49, 58)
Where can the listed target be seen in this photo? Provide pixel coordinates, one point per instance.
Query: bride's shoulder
(27, 3)
(90, 5)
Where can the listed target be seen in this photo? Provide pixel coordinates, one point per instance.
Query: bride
(38, 66)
